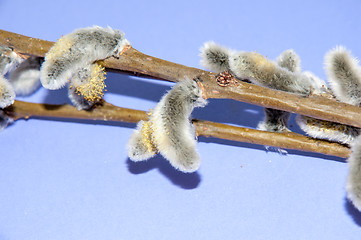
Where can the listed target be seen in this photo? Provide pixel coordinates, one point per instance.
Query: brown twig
(135, 61)
(109, 112)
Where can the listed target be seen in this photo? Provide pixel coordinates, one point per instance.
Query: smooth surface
(73, 180)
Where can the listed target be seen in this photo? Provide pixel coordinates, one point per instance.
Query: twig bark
(109, 112)
(135, 61)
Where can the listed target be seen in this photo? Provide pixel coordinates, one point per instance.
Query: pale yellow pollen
(60, 48)
(147, 136)
(93, 89)
(324, 126)
(261, 61)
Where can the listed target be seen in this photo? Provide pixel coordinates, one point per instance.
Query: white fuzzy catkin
(169, 130)
(314, 127)
(77, 50)
(345, 82)
(344, 75)
(353, 185)
(290, 60)
(78, 100)
(277, 120)
(267, 73)
(8, 60)
(284, 74)
(141, 144)
(319, 86)
(5, 119)
(332, 131)
(274, 121)
(215, 57)
(7, 94)
(86, 86)
(25, 79)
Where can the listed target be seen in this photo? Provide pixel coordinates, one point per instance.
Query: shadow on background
(59, 96)
(137, 87)
(353, 212)
(184, 180)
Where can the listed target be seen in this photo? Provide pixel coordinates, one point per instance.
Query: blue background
(73, 179)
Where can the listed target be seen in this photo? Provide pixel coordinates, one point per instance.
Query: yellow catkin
(324, 126)
(147, 136)
(60, 48)
(261, 61)
(93, 89)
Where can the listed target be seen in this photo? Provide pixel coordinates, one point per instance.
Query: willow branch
(134, 61)
(109, 112)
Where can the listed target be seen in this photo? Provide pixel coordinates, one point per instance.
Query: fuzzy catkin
(7, 94)
(264, 72)
(77, 50)
(331, 131)
(290, 60)
(8, 60)
(26, 77)
(78, 100)
(169, 130)
(284, 74)
(274, 121)
(277, 120)
(215, 57)
(345, 82)
(353, 185)
(344, 75)
(5, 119)
(86, 86)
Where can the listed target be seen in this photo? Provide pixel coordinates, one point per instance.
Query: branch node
(225, 78)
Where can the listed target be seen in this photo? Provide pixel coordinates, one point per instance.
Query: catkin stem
(109, 112)
(132, 60)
